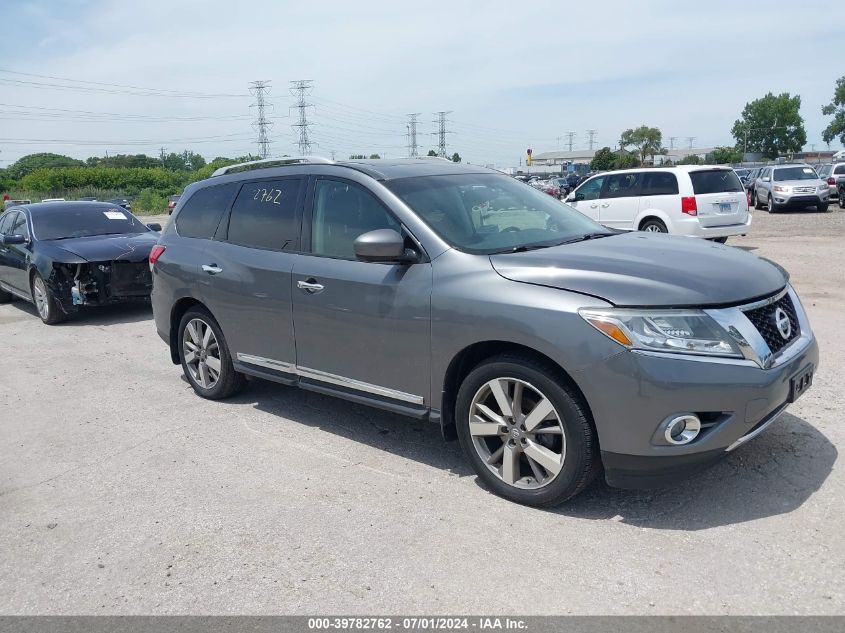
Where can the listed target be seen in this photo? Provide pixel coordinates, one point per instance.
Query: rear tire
(653, 226)
(551, 457)
(757, 204)
(205, 356)
(842, 199)
(46, 304)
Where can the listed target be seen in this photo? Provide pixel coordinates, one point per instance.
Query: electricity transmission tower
(672, 140)
(301, 89)
(592, 136)
(261, 123)
(570, 136)
(412, 134)
(690, 140)
(441, 132)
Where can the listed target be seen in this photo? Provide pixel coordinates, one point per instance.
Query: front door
(586, 197)
(14, 258)
(364, 327)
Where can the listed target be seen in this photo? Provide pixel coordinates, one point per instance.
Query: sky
(84, 78)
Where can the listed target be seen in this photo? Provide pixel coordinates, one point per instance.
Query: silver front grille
(804, 189)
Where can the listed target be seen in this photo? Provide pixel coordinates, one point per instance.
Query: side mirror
(10, 240)
(766, 179)
(383, 245)
(570, 197)
(154, 226)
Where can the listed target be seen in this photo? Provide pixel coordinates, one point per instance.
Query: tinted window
(84, 221)
(264, 215)
(715, 181)
(19, 226)
(591, 189)
(5, 222)
(795, 173)
(342, 212)
(201, 214)
(622, 185)
(823, 170)
(840, 169)
(659, 183)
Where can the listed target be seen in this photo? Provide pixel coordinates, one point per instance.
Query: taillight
(689, 206)
(831, 182)
(156, 252)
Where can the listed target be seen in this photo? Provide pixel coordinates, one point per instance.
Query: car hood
(647, 269)
(131, 247)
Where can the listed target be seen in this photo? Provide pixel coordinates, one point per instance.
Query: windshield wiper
(585, 237)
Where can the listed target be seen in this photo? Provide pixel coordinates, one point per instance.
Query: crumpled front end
(99, 283)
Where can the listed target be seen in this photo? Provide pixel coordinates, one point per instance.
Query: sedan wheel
(517, 433)
(201, 352)
(47, 308)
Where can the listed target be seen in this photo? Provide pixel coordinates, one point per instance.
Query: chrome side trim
(334, 379)
(269, 363)
(750, 436)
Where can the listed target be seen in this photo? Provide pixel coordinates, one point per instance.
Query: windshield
(487, 213)
(795, 173)
(65, 222)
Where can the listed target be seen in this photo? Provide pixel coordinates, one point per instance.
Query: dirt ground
(122, 492)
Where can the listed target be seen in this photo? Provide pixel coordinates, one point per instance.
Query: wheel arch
(472, 355)
(176, 313)
(653, 214)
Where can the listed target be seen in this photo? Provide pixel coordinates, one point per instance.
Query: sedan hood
(647, 269)
(130, 247)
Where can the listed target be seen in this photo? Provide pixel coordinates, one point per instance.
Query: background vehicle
(546, 186)
(53, 200)
(172, 201)
(781, 186)
(840, 188)
(15, 203)
(699, 201)
(829, 173)
(750, 180)
(367, 280)
(742, 172)
(126, 203)
(65, 255)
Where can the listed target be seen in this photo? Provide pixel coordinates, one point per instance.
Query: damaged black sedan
(63, 256)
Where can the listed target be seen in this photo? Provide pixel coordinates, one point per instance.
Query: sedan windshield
(84, 221)
(795, 173)
(488, 213)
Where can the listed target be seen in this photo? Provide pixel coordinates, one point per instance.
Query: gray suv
(552, 347)
(782, 186)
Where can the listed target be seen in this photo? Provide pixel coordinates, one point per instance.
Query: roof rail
(272, 162)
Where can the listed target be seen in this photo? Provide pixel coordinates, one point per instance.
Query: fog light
(682, 429)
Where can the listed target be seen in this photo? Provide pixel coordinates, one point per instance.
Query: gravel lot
(122, 492)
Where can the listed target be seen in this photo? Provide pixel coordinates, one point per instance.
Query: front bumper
(632, 394)
(800, 199)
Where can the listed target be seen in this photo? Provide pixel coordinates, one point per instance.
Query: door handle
(594, 206)
(310, 286)
(211, 269)
(605, 205)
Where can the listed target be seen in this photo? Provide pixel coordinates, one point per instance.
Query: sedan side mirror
(154, 226)
(383, 245)
(766, 179)
(10, 240)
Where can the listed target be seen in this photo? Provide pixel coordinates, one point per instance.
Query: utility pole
(441, 132)
(261, 123)
(412, 135)
(333, 154)
(162, 155)
(690, 140)
(672, 140)
(570, 136)
(592, 135)
(301, 89)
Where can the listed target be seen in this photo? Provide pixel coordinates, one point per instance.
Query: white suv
(695, 200)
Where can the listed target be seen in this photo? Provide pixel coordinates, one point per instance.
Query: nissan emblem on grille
(783, 324)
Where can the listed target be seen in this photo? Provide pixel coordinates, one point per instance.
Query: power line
(412, 134)
(441, 132)
(592, 136)
(260, 89)
(570, 136)
(300, 89)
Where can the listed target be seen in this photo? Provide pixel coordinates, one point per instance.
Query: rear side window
(659, 183)
(201, 214)
(715, 181)
(840, 169)
(264, 215)
(622, 185)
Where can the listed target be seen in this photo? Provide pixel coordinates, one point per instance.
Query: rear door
(719, 197)
(620, 200)
(659, 192)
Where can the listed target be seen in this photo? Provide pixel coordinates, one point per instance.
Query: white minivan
(695, 200)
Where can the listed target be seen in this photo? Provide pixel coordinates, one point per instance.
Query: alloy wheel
(39, 293)
(201, 352)
(517, 433)
(652, 228)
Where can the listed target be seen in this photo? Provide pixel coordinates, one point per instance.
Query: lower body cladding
(99, 283)
(662, 418)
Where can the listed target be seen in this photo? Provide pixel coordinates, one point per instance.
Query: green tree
(836, 108)
(43, 160)
(771, 125)
(625, 160)
(726, 155)
(647, 141)
(456, 158)
(375, 156)
(692, 159)
(431, 152)
(356, 156)
(603, 160)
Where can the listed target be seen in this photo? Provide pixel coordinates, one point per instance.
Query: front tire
(653, 226)
(46, 304)
(772, 207)
(822, 208)
(205, 356)
(720, 240)
(527, 436)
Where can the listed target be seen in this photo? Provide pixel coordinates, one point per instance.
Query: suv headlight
(674, 331)
(781, 189)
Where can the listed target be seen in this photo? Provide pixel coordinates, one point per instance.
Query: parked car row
(479, 304)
